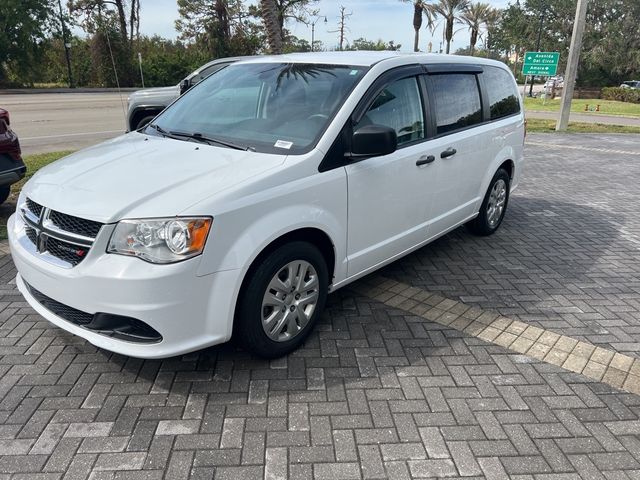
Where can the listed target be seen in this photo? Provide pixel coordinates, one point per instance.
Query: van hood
(141, 176)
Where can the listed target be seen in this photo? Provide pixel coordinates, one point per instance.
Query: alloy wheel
(495, 205)
(290, 300)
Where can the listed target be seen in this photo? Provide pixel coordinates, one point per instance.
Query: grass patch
(545, 126)
(607, 107)
(34, 163)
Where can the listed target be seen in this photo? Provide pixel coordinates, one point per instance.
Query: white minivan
(269, 184)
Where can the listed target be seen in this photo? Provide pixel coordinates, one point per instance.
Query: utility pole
(572, 64)
(343, 25)
(67, 45)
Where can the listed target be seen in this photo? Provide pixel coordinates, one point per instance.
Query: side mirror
(184, 85)
(373, 141)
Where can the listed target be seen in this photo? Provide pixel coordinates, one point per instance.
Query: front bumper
(190, 312)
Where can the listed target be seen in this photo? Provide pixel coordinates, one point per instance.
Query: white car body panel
(84, 179)
(373, 211)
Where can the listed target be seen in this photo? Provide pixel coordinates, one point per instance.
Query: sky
(371, 19)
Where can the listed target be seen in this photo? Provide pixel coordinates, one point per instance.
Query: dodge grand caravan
(269, 184)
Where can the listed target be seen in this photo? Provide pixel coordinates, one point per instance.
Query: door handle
(425, 160)
(449, 152)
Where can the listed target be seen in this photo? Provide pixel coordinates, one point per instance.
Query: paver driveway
(377, 392)
(568, 255)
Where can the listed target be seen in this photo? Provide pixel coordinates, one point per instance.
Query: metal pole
(537, 48)
(313, 34)
(67, 53)
(572, 64)
(140, 63)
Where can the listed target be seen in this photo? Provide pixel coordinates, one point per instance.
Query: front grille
(79, 226)
(34, 207)
(58, 235)
(68, 252)
(70, 314)
(31, 234)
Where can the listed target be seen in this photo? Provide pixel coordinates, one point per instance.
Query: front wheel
(493, 207)
(282, 300)
(144, 121)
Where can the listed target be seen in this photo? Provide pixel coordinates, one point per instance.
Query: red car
(12, 168)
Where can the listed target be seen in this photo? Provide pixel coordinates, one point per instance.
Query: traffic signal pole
(572, 64)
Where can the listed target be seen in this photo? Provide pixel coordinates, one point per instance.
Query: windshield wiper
(198, 137)
(201, 138)
(158, 129)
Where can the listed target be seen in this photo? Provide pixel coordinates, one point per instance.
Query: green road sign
(540, 63)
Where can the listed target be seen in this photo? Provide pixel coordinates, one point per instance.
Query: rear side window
(503, 97)
(457, 101)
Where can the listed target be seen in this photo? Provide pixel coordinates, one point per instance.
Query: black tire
(5, 191)
(249, 330)
(481, 225)
(144, 121)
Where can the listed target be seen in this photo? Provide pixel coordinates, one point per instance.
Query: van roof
(368, 58)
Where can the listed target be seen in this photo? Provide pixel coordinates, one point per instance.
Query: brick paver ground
(377, 391)
(568, 255)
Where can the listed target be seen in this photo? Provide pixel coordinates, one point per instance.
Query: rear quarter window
(502, 93)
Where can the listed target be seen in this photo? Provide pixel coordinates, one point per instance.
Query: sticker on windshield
(283, 144)
(353, 72)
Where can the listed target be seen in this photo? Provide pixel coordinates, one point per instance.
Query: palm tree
(270, 16)
(420, 7)
(475, 16)
(491, 20)
(450, 11)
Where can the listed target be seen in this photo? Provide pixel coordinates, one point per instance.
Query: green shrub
(629, 95)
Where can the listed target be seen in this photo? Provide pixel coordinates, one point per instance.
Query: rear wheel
(282, 300)
(494, 205)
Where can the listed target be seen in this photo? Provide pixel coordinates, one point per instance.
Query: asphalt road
(65, 121)
(588, 118)
(70, 121)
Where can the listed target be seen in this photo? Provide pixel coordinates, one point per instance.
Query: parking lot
(422, 370)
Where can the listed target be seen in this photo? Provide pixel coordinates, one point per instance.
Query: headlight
(161, 240)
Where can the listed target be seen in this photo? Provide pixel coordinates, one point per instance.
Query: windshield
(263, 107)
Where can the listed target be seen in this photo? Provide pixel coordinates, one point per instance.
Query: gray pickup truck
(144, 105)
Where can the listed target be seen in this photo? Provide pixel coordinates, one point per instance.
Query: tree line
(611, 44)
(33, 34)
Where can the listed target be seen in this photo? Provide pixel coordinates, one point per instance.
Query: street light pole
(66, 44)
(313, 29)
(572, 64)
